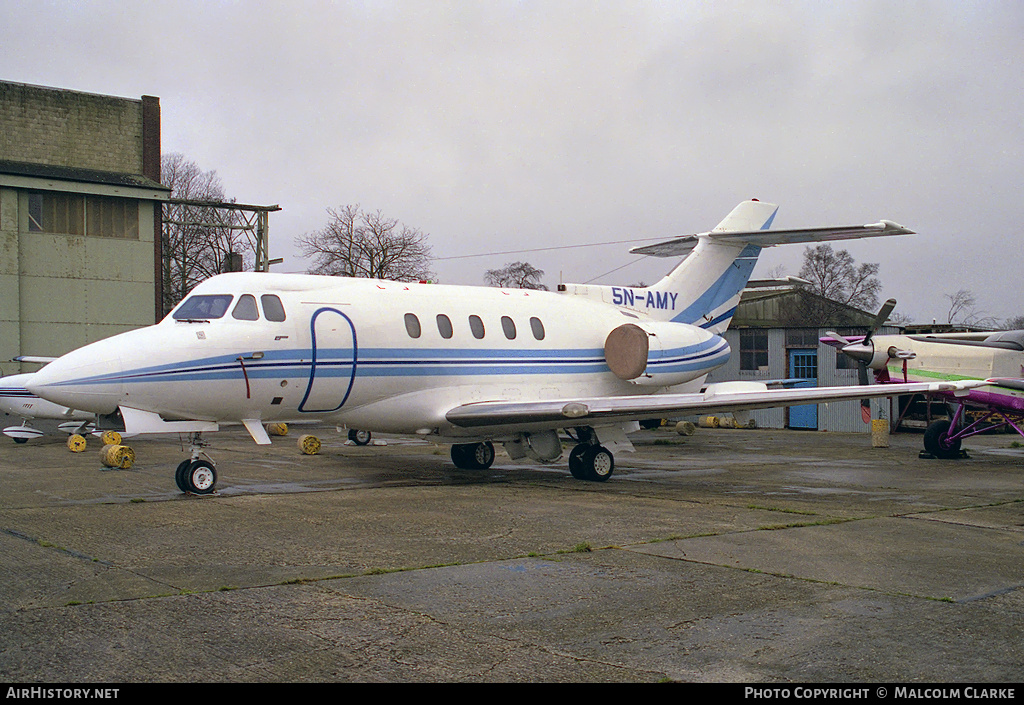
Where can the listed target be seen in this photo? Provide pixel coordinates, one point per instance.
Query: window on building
(412, 325)
(508, 326)
(273, 309)
(112, 217)
(802, 337)
(753, 349)
(476, 326)
(56, 213)
(245, 309)
(538, 328)
(444, 326)
(75, 214)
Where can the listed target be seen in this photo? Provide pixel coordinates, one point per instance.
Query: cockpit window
(245, 309)
(203, 307)
(273, 309)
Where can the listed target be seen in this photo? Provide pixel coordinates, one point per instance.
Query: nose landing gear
(197, 474)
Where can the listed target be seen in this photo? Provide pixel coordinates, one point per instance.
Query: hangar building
(80, 217)
(775, 335)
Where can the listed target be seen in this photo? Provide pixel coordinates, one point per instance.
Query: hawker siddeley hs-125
(471, 366)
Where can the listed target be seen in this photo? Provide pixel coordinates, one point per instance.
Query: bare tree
(198, 242)
(835, 276)
(1015, 323)
(961, 302)
(962, 311)
(901, 320)
(355, 243)
(516, 275)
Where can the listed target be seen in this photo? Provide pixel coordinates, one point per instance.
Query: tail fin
(704, 288)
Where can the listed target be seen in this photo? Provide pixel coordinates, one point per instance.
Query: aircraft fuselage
(369, 354)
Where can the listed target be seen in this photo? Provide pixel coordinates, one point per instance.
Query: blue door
(803, 364)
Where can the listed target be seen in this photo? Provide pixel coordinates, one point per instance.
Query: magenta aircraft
(996, 356)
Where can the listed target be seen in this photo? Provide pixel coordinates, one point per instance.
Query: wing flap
(587, 411)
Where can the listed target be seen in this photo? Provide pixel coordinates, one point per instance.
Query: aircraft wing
(1008, 382)
(723, 397)
(767, 238)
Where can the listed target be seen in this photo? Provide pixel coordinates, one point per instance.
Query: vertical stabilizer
(705, 287)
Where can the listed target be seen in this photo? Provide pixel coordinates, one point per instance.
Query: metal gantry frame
(256, 225)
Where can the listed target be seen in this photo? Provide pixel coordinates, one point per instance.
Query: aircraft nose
(87, 379)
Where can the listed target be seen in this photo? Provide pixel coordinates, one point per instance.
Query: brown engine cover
(625, 351)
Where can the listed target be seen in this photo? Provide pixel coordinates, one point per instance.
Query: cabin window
(537, 327)
(273, 309)
(476, 326)
(412, 325)
(444, 326)
(245, 309)
(508, 326)
(203, 307)
(753, 349)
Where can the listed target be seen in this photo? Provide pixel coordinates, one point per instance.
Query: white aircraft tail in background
(468, 365)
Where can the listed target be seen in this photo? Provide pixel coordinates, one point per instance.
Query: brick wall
(67, 128)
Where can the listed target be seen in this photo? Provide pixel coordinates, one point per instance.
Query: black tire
(179, 475)
(20, 440)
(473, 456)
(460, 456)
(201, 477)
(576, 463)
(360, 438)
(599, 463)
(938, 444)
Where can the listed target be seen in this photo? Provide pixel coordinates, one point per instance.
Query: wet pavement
(730, 555)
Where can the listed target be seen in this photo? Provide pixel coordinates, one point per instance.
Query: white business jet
(468, 365)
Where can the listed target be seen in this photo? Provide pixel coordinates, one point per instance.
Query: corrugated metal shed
(794, 319)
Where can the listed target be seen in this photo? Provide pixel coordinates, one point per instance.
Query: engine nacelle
(663, 353)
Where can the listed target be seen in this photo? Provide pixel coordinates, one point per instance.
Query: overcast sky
(497, 126)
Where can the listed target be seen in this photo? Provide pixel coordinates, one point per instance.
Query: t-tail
(704, 288)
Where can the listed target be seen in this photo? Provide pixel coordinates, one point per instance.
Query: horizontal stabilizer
(769, 238)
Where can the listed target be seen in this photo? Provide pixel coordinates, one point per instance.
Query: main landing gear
(473, 456)
(588, 460)
(591, 462)
(197, 474)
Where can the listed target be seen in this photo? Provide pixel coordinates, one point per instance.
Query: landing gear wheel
(179, 475)
(360, 438)
(598, 463)
(21, 440)
(937, 443)
(200, 477)
(576, 465)
(473, 456)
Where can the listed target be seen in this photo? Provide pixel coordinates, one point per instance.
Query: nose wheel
(196, 475)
